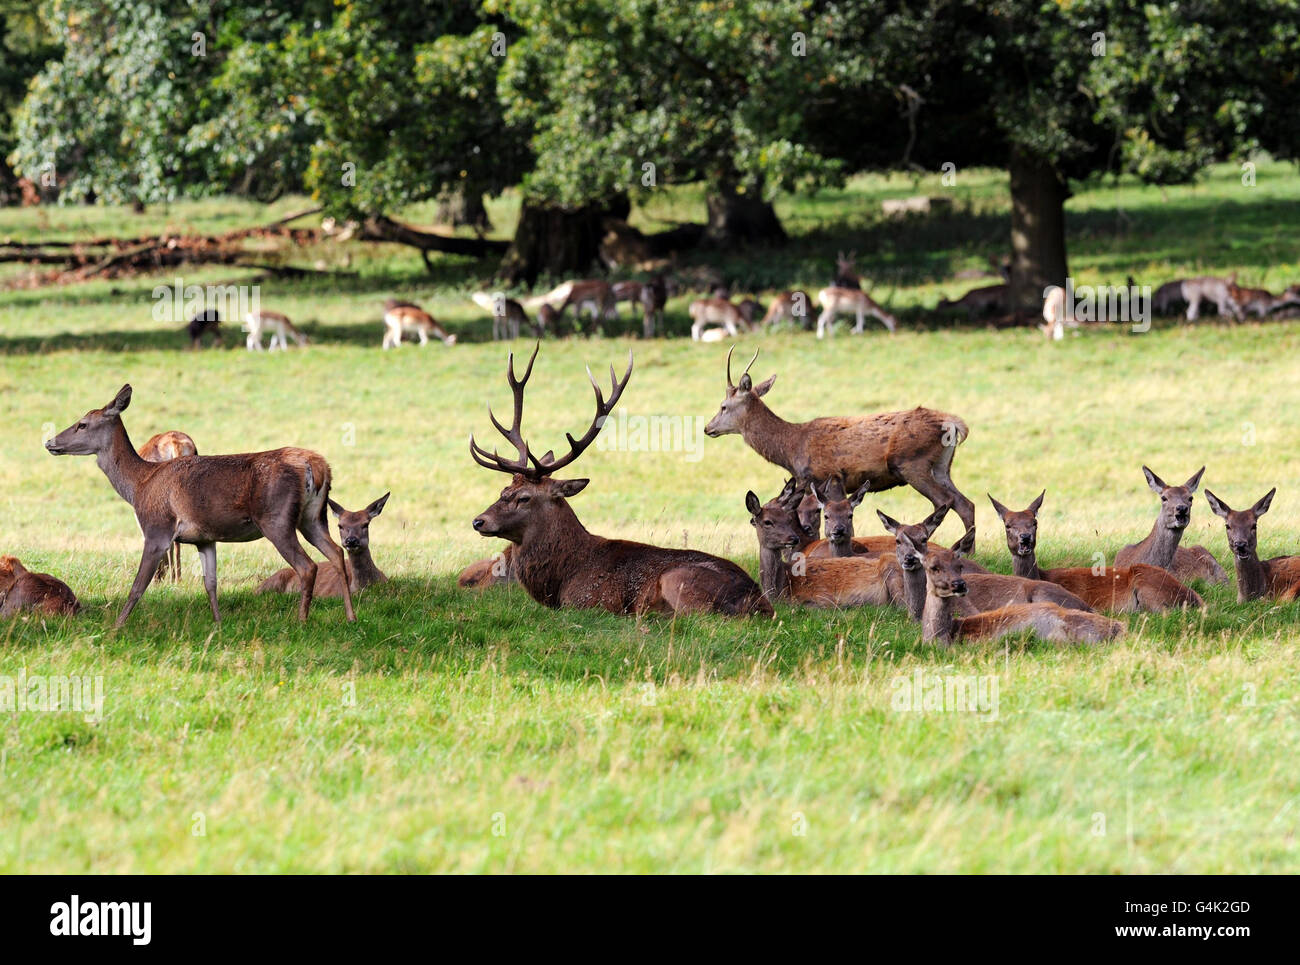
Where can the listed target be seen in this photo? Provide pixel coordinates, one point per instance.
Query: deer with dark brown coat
(22, 590)
(1276, 578)
(164, 447)
(560, 563)
(1116, 589)
(354, 534)
(1160, 548)
(914, 447)
(205, 500)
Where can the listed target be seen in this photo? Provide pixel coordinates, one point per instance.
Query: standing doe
(849, 301)
(400, 317)
(278, 325)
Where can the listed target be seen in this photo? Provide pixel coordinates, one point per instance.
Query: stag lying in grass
(1116, 589)
(914, 447)
(559, 563)
(354, 534)
(205, 500)
(1276, 578)
(22, 590)
(1160, 548)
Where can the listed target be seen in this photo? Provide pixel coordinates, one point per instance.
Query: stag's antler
(527, 464)
(730, 384)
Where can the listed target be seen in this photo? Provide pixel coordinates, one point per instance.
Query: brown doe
(164, 447)
(1160, 548)
(837, 507)
(560, 563)
(21, 589)
(205, 500)
(914, 447)
(354, 534)
(909, 542)
(1278, 577)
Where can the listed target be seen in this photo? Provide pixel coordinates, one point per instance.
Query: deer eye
(80, 426)
(523, 499)
(767, 522)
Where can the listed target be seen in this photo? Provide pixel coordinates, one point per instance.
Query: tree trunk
(1038, 196)
(553, 241)
(464, 208)
(742, 219)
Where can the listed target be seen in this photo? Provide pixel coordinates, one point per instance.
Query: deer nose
(959, 586)
(479, 522)
(351, 543)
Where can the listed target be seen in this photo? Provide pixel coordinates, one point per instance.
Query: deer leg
(934, 483)
(318, 534)
(208, 554)
(155, 548)
(286, 543)
(821, 323)
(862, 322)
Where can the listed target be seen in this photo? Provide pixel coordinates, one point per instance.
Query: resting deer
(708, 313)
(909, 541)
(401, 317)
(354, 534)
(1277, 578)
(164, 447)
(888, 449)
(1118, 589)
(202, 323)
(824, 582)
(978, 301)
(837, 507)
(793, 306)
(945, 584)
(494, 571)
(849, 301)
(508, 315)
(21, 590)
(559, 563)
(1161, 548)
(205, 500)
(278, 325)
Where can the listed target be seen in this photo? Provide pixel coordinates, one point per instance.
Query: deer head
(838, 507)
(910, 542)
(354, 527)
(10, 570)
(1022, 527)
(736, 404)
(1175, 501)
(775, 523)
(1241, 523)
(93, 432)
(943, 571)
(534, 501)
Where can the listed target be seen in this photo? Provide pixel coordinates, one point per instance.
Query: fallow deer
(1277, 578)
(945, 584)
(1160, 548)
(205, 500)
(793, 306)
(21, 590)
(278, 325)
(785, 573)
(626, 291)
(888, 449)
(849, 301)
(595, 296)
(354, 534)
(1211, 289)
(508, 315)
(560, 563)
(1117, 589)
(401, 317)
(846, 271)
(654, 296)
(979, 301)
(202, 323)
(164, 447)
(709, 313)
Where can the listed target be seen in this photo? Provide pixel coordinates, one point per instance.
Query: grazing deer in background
(1261, 302)
(559, 563)
(164, 447)
(654, 296)
(846, 271)
(278, 325)
(354, 534)
(1277, 578)
(888, 449)
(849, 301)
(824, 582)
(1168, 298)
(794, 306)
(1211, 289)
(401, 317)
(1161, 548)
(508, 315)
(945, 583)
(205, 500)
(706, 312)
(909, 543)
(626, 291)
(22, 590)
(202, 323)
(751, 310)
(979, 301)
(837, 507)
(595, 296)
(1117, 589)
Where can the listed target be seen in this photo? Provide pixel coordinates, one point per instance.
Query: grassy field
(447, 731)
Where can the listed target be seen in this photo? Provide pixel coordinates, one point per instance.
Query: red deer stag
(888, 449)
(20, 590)
(354, 534)
(205, 500)
(1118, 589)
(1161, 548)
(164, 447)
(560, 563)
(1276, 578)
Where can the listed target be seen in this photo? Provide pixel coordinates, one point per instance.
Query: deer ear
(1037, 504)
(335, 508)
(752, 503)
(931, 522)
(1155, 482)
(1218, 506)
(999, 508)
(568, 487)
(377, 507)
(1260, 507)
(1195, 481)
(762, 388)
(964, 545)
(891, 525)
(120, 401)
(746, 383)
(861, 493)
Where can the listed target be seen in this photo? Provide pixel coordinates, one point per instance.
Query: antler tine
(751, 362)
(513, 434)
(603, 409)
(730, 384)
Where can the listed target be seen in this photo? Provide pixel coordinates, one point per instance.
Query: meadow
(454, 731)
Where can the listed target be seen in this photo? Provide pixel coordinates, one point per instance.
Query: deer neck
(550, 556)
(364, 571)
(122, 465)
(771, 436)
(1026, 566)
(1161, 545)
(914, 594)
(773, 574)
(937, 621)
(1252, 578)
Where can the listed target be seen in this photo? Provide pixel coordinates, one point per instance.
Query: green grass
(447, 731)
